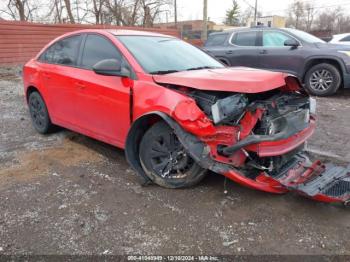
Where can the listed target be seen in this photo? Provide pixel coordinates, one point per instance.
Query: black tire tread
(196, 174)
(48, 124)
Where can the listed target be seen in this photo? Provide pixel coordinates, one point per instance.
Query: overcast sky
(193, 9)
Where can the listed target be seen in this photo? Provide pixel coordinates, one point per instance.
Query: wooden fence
(20, 41)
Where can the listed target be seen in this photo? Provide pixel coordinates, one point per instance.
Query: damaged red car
(178, 112)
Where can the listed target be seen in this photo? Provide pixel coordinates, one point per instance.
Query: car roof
(119, 32)
(253, 28)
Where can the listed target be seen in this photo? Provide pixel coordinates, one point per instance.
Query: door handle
(229, 52)
(263, 52)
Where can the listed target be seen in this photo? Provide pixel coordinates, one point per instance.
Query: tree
(232, 15)
(69, 11)
(151, 9)
(98, 10)
(298, 12)
(20, 9)
(330, 20)
(310, 14)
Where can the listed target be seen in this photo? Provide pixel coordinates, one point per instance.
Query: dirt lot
(68, 194)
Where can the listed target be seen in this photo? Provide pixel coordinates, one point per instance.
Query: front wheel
(165, 161)
(322, 79)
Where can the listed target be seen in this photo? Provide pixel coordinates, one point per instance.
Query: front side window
(158, 54)
(64, 52)
(216, 40)
(96, 49)
(245, 38)
(274, 39)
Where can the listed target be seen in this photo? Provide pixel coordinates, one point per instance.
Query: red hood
(237, 79)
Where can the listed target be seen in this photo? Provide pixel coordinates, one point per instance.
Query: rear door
(103, 102)
(243, 49)
(58, 73)
(274, 55)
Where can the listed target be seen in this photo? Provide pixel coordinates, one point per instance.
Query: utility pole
(175, 12)
(255, 12)
(205, 20)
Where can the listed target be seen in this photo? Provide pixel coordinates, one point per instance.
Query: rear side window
(216, 40)
(245, 38)
(64, 52)
(274, 39)
(96, 49)
(345, 39)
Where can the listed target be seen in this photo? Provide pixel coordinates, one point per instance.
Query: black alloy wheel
(165, 160)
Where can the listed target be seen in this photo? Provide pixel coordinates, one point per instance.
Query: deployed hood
(237, 79)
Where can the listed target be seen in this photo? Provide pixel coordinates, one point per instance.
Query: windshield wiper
(201, 67)
(163, 72)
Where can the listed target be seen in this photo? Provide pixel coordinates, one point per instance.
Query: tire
(39, 114)
(165, 160)
(323, 80)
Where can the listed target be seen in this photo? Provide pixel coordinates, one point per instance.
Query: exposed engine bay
(258, 140)
(227, 109)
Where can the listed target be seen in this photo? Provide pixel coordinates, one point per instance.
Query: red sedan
(178, 112)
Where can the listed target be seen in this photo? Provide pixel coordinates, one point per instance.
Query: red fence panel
(20, 41)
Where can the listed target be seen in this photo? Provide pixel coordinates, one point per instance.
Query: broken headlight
(229, 108)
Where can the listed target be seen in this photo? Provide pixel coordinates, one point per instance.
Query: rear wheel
(39, 114)
(323, 79)
(165, 160)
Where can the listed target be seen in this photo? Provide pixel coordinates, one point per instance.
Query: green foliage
(232, 14)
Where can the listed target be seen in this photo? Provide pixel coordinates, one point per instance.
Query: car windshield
(162, 55)
(305, 36)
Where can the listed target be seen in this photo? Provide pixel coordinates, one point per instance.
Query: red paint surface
(237, 79)
(263, 184)
(280, 147)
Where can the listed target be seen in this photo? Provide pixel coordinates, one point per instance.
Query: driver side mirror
(110, 67)
(292, 43)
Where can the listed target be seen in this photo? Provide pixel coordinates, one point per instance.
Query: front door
(103, 102)
(273, 55)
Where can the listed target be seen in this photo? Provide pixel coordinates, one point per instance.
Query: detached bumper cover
(326, 183)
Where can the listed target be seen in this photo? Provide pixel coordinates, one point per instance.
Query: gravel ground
(68, 194)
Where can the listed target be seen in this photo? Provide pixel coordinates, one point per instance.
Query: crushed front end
(258, 140)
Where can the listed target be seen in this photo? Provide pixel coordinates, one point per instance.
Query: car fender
(198, 150)
(323, 57)
(134, 137)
